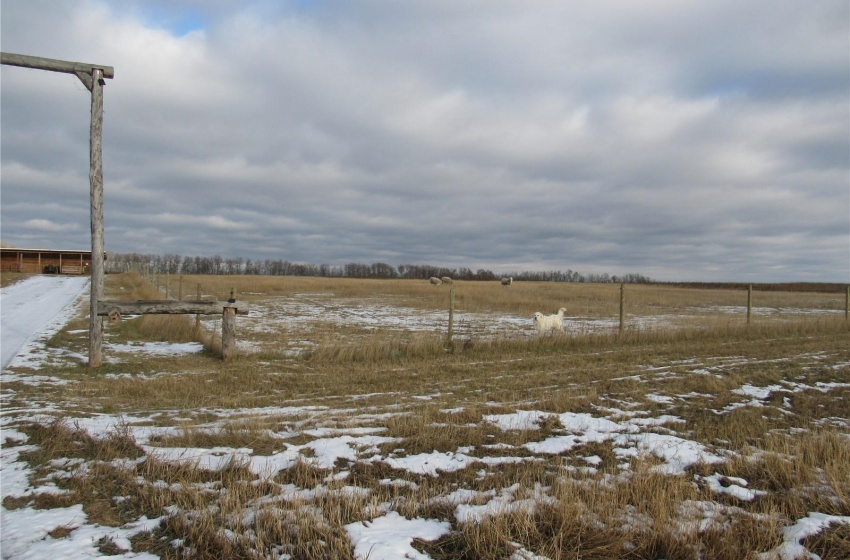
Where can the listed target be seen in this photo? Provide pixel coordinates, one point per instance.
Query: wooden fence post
(198, 317)
(622, 307)
(451, 314)
(749, 303)
(228, 334)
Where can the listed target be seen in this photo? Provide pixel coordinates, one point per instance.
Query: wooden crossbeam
(169, 307)
(53, 65)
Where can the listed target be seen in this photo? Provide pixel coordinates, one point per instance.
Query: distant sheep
(507, 281)
(447, 280)
(546, 323)
(436, 281)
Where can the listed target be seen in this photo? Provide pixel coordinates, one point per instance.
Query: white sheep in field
(546, 323)
(507, 281)
(436, 281)
(447, 280)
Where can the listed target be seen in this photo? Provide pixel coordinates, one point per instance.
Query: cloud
(49, 226)
(682, 141)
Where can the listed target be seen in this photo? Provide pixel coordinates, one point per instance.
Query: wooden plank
(170, 307)
(53, 65)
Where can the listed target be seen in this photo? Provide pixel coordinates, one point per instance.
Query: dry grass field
(350, 426)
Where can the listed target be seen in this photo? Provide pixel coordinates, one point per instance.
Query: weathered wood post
(228, 334)
(451, 314)
(198, 317)
(847, 304)
(95, 85)
(749, 303)
(622, 307)
(228, 330)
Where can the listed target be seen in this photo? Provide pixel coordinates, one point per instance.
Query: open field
(349, 427)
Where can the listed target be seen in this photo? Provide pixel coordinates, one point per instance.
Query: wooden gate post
(228, 333)
(92, 76)
(96, 184)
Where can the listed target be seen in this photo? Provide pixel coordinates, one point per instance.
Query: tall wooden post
(847, 304)
(622, 307)
(92, 76)
(198, 317)
(96, 187)
(451, 314)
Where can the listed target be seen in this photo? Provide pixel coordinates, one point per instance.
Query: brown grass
(432, 397)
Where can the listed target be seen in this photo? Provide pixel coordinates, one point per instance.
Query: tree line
(176, 264)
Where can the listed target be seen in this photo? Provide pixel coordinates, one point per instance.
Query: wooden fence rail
(227, 309)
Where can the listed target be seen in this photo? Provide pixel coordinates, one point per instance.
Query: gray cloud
(700, 141)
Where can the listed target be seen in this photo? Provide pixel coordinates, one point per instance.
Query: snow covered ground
(36, 306)
(387, 535)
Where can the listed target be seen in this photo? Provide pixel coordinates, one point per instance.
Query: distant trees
(216, 264)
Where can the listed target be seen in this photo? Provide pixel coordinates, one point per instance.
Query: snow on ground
(40, 306)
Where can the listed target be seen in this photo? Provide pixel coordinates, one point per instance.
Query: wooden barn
(45, 261)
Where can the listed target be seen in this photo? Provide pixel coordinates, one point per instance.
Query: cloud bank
(696, 141)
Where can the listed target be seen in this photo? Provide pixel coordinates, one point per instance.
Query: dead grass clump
(832, 543)
(735, 429)
(825, 456)
(50, 500)
(58, 440)
(302, 474)
(732, 535)
(108, 547)
(818, 404)
(62, 531)
(99, 487)
(428, 430)
(235, 435)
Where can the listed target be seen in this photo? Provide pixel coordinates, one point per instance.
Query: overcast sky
(701, 140)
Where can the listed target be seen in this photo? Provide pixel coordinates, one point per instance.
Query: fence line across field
(228, 318)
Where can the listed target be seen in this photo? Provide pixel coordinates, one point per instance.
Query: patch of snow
(390, 537)
(791, 549)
